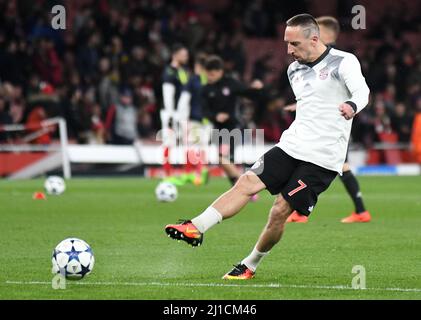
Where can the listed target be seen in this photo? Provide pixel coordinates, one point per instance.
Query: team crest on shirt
(226, 91)
(324, 73)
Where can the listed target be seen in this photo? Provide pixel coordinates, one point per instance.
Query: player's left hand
(346, 111)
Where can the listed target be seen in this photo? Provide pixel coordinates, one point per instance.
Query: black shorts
(299, 182)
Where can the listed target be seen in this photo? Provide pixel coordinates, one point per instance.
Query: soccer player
(219, 101)
(330, 90)
(329, 32)
(174, 78)
(196, 130)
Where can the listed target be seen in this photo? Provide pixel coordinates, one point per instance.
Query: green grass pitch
(124, 224)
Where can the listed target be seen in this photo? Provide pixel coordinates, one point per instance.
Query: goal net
(30, 150)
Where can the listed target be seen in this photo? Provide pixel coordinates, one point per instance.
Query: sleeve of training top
(168, 95)
(350, 72)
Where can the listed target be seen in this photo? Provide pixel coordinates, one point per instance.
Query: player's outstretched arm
(350, 71)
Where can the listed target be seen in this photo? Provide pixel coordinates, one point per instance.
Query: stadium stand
(78, 73)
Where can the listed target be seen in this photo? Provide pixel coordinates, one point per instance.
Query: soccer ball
(55, 185)
(73, 258)
(166, 192)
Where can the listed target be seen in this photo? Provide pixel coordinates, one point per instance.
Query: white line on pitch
(178, 284)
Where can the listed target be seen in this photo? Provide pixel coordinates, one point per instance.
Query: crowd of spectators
(112, 49)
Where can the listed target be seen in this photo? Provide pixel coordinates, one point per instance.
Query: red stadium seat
(373, 156)
(392, 156)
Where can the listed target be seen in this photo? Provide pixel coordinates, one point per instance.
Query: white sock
(253, 259)
(207, 219)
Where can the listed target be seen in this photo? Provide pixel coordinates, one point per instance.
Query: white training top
(320, 134)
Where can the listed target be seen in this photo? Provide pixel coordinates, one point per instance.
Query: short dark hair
(305, 21)
(177, 47)
(214, 63)
(201, 59)
(330, 23)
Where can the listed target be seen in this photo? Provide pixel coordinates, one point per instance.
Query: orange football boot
(298, 218)
(357, 217)
(185, 231)
(239, 272)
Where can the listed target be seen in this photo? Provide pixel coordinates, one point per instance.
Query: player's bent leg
(232, 201)
(226, 206)
(269, 237)
(274, 228)
(233, 174)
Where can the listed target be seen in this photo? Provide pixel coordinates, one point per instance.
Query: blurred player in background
(195, 128)
(198, 127)
(329, 32)
(219, 102)
(174, 78)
